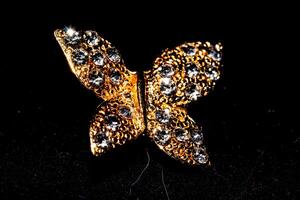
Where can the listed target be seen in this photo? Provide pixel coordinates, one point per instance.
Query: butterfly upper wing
(95, 62)
(178, 77)
(100, 68)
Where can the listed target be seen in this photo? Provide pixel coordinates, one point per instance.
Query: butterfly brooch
(178, 76)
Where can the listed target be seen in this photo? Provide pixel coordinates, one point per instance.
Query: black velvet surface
(249, 119)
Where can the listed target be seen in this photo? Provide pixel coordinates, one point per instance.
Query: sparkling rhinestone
(166, 71)
(167, 87)
(212, 74)
(71, 37)
(162, 136)
(96, 78)
(115, 76)
(98, 59)
(112, 122)
(163, 116)
(80, 56)
(200, 156)
(215, 55)
(101, 140)
(125, 111)
(91, 38)
(181, 134)
(189, 50)
(192, 70)
(193, 93)
(113, 55)
(197, 136)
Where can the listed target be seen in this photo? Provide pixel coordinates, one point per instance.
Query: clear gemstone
(91, 38)
(212, 74)
(125, 111)
(162, 136)
(197, 136)
(166, 71)
(101, 140)
(112, 122)
(80, 56)
(113, 55)
(96, 78)
(71, 37)
(115, 76)
(163, 116)
(192, 70)
(215, 55)
(189, 50)
(98, 59)
(200, 156)
(181, 134)
(193, 93)
(167, 87)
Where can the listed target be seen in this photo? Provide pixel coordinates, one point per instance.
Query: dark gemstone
(181, 134)
(98, 59)
(101, 140)
(166, 71)
(125, 111)
(96, 78)
(112, 122)
(113, 55)
(91, 38)
(115, 76)
(80, 56)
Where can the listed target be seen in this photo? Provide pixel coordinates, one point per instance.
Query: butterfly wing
(179, 76)
(100, 68)
(95, 62)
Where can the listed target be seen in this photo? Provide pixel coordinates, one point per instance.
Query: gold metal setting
(179, 76)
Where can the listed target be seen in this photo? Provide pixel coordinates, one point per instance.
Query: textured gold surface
(178, 129)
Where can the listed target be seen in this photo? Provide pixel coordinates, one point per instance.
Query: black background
(249, 119)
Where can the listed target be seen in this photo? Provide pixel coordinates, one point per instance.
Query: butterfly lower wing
(179, 76)
(117, 122)
(95, 62)
(177, 134)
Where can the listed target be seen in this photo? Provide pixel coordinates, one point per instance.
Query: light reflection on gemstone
(191, 70)
(71, 37)
(193, 93)
(162, 136)
(163, 116)
(197, 136)
(167, 86)
(189, 50)
(114, 55)
(212, 73)
(101, 140)
(200, 156)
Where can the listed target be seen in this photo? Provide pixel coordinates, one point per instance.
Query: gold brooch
(178, 76)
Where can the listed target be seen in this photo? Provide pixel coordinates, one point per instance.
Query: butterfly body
(178, 77)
